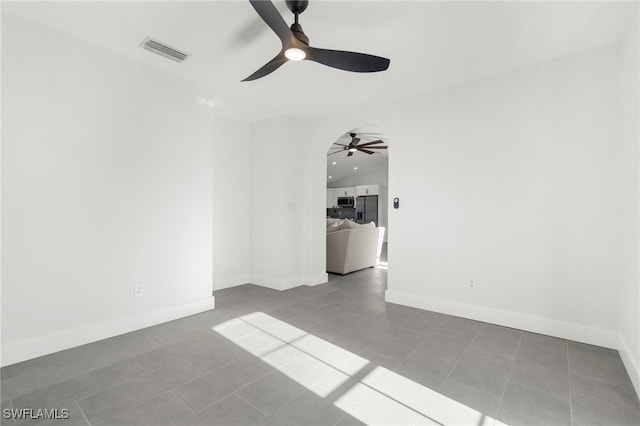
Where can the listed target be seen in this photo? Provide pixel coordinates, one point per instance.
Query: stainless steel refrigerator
(367, 209)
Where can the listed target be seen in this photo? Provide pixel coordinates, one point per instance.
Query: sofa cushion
(354, 249)
(349, 224)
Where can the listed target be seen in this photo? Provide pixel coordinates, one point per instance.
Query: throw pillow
(349, 224)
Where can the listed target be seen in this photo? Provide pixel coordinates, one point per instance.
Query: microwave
(345, 201)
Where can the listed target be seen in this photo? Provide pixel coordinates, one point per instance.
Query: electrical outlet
(138, 291)
(472, 285)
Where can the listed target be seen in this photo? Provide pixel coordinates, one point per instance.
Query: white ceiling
(430, 44)
(366, 163)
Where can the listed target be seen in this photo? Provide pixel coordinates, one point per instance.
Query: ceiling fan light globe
(352, 150)
(295, 54)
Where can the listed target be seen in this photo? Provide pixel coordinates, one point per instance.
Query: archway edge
(324, 133)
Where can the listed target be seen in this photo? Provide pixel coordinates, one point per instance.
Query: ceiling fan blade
(253, 28)
(268, 68)
(273, 19)
(347, 61)
(372, 137)
(341, 144)
(367, 151)
(354, 141)
(371, 143)
(377, 147)
(335, 152)
(350, 154)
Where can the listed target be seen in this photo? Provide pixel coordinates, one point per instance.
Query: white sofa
(353, 247)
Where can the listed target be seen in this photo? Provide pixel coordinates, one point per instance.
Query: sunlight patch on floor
(318, 365)
(382, 397)
(375, 408)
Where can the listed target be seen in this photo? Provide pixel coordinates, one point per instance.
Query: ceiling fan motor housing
(297, 6)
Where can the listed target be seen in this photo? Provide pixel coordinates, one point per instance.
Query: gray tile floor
(334, 354)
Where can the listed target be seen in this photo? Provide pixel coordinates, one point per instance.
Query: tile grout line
(185, 402)
(224, 396)
(274, 371)
(198, 377)
(513, 362)
(176, 358)
(604, 382)
(440, 328)
(182, 402)
(570, 392)
(91, 393)
(125, 381)
(463, 354)
(112, 386)
(137, 405)
(249, 403)
(11, 407)
(139, 365)
(340, 419)
(58, 378)
(424, 339)
(407, 357)
(555, 395)
(82, 411)
(203, 373)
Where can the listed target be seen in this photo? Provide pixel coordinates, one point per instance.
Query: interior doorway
(357, 197)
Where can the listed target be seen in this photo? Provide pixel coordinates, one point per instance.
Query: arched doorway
(357, 197)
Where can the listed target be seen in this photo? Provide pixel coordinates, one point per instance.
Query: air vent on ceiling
(163, 50)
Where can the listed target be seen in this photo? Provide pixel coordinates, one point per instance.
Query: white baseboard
(65, 339)
(227, 282)
(276, 283)
(565, 330)
(288, 282)
(317, 279)
(630, 364)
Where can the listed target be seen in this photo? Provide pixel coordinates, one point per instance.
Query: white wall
(512, 182)
(231, 203)
(514, 185)
(629, 229)
(280, 207)
(107, 183)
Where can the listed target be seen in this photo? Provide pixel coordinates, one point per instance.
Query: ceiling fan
(355, 145)
(295, 44)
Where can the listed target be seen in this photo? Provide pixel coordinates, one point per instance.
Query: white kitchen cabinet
(357, 191)
(341, 192)
(332, 197)
(367, 190)
(346, 192)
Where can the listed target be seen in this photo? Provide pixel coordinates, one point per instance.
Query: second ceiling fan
(355, 145)
(295, 44)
